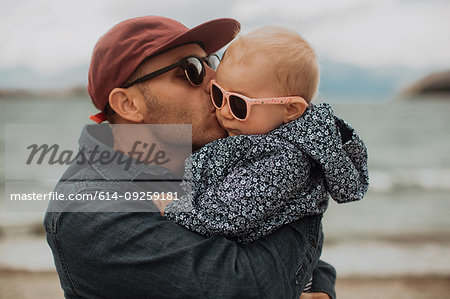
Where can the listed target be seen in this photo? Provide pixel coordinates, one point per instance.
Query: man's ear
(294, 110)
(128, 104)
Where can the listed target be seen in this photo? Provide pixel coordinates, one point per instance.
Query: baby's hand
(161, 202)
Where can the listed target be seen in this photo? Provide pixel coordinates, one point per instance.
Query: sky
(52, 35)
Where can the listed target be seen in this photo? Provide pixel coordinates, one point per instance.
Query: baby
(283, 157)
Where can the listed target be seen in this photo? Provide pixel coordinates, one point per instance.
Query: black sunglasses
(193, 67)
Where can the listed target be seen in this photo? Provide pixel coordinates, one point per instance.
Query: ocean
(401, 227)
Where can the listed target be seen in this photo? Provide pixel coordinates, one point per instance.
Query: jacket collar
(96, 144)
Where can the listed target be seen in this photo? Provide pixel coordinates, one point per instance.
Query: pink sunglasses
(239, 104)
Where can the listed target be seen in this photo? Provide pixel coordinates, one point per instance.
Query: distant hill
(23, 77)
(76, 91)
(433, 84)
(339, 81)
(346, 81)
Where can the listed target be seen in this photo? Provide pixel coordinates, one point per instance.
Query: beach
(32, 285)
(408, 267)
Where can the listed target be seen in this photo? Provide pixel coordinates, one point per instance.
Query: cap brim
(211, 36)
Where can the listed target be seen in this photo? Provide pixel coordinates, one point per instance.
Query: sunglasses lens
(213, 61)
(194, 70)
(217, 96)
(238, 107)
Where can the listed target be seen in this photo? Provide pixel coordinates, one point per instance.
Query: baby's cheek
(256, 127)
(271, 122)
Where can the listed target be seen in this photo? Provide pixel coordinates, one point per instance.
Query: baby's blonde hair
(293, 61)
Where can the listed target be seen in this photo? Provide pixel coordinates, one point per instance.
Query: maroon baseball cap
(122, 49)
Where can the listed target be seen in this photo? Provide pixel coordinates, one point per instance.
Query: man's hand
(317, 295)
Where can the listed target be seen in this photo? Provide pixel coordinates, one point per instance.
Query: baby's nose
(225, 112)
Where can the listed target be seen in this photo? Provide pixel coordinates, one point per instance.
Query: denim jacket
(131, 254)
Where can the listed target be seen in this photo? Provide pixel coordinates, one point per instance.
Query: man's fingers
(317, 295)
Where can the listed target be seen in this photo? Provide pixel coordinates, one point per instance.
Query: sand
(36, 285)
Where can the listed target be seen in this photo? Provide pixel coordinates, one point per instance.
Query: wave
(425, 179)
(384, 259)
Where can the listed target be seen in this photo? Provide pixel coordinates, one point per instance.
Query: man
(154, 70)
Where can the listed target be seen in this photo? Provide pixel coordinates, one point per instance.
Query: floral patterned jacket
(244, 187)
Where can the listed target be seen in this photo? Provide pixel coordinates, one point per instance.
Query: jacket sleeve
(245, 193)
(324, 279)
